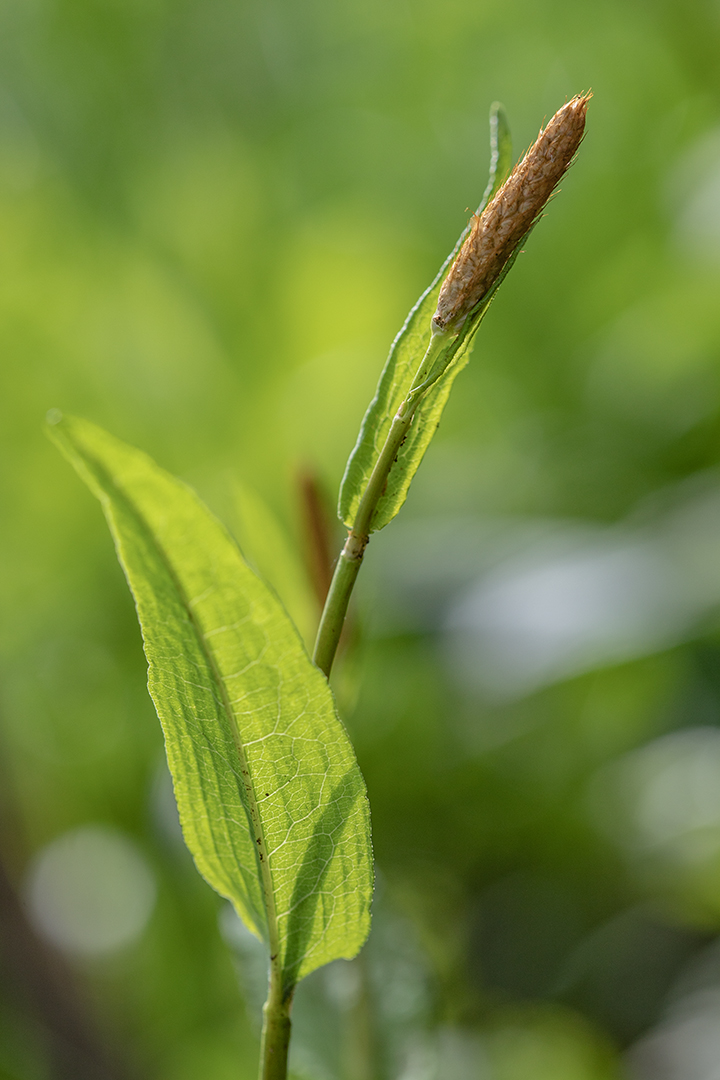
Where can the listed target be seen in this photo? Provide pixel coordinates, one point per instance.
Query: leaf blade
(267, 548)
(259, 759)
(406, 354)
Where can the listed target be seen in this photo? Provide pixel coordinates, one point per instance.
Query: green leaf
(271, 800)
(406, 355)
(500, 153)
(267, 548)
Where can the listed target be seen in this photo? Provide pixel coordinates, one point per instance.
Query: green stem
(276, 1028)
(276, 1012)
(336, 605)
(351, 556)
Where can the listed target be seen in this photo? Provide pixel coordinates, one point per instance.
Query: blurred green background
(214, 218)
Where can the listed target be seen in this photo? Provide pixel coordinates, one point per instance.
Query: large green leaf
(271, 800)
(406, 355)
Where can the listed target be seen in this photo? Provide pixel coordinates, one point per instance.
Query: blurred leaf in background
(214, 218)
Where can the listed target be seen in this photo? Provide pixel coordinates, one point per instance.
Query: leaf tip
(53, 417)
(498, 115)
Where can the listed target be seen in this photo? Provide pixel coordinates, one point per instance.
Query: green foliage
(268, 549)
(179, 185)
(271, 800)
(406, 355)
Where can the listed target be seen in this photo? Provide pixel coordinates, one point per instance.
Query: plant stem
(276, 1029)
(351, 556)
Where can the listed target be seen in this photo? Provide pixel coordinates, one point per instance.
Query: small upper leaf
(406, 354)
(271, 800)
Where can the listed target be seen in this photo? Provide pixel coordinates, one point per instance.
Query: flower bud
(499, 229)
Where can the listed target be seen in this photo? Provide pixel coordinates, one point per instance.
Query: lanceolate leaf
(271, 800)
(268, 550)
(406, 354)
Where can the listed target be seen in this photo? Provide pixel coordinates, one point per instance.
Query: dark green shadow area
(314, 869)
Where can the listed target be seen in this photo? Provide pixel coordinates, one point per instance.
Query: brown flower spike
(497, 231)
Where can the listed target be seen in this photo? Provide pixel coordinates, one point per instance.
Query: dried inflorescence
(496, 233)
